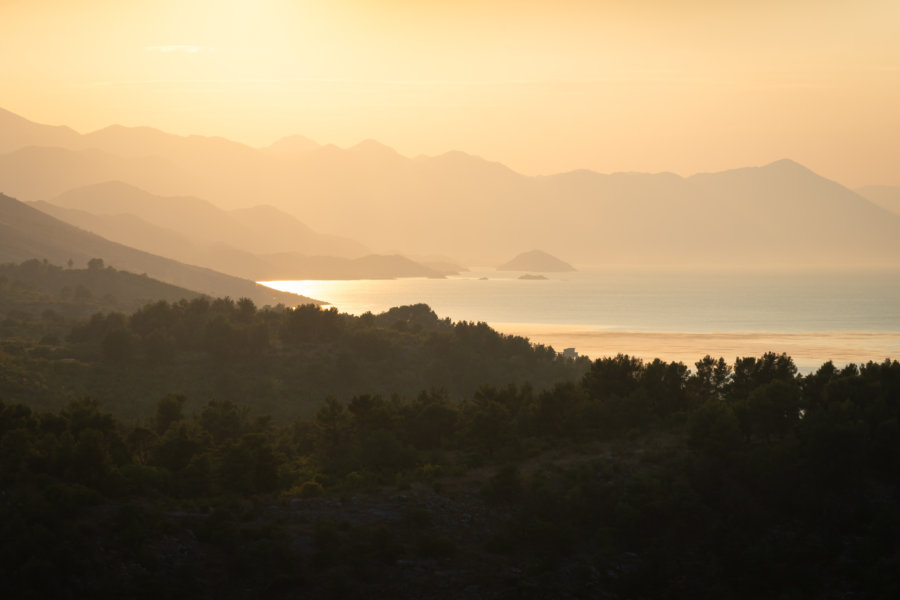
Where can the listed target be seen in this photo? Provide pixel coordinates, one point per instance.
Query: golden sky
(542, 86)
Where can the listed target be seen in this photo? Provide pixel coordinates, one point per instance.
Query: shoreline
(809, 350)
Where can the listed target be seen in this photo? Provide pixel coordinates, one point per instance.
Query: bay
(840, 315)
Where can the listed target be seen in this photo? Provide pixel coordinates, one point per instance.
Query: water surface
(846, 316)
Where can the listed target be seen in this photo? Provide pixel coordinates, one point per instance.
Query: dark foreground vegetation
(626, 479)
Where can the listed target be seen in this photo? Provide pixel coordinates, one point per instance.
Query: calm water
(840, 315)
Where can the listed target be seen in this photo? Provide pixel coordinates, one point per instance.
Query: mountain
(291, 147)
(189, 216)
(258, 243)
(26, 233)
(259, 230)
(373, 266)
(480, 211)
(261, 242)
(41, 173)
(135, 232)
(885, 196)
(19, 132)
(536, 260)
(276, 231)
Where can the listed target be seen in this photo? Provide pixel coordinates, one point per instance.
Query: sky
(541, 86)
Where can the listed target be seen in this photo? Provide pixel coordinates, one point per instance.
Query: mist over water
(676, 315)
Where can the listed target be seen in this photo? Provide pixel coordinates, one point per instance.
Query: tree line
(742, 480)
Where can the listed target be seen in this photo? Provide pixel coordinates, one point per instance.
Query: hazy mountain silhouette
(26, 233)
(19, 133)
(133, 231)
(291, 147)
(885, 196)
(41, 173)
(277, 231)
(259, 243)
(536, 260)
(260, 229)
(126, 229)
(482, 212)
(372, 266)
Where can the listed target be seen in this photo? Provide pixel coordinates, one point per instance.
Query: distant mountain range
(259, 243)
(27, 233)
(472, 209)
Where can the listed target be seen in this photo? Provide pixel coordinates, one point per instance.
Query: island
(536, 261)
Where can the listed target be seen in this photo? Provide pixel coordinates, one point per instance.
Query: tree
(246, 310)
(223, 420)
(750, 373)
(771, 409)
(96, 264)
(613, 376)
(309, 323)
(249, 465)
(665, 385)
(488, 422)
(714, 432)
(117, 346)
(432, 420)
(331, 419)
(168, 411)
(712, 378)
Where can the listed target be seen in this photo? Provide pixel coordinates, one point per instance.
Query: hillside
(280, 361)
(26, 233)
(222, 254)
(536, 260)
(258, 243)
(634, 480)
(885, 196)
(35, 287)
(260, 229)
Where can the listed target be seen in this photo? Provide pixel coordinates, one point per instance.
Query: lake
(845, 316)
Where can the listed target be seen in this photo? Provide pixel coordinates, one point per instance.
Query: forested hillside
(279, 360)
(209, 447)
(637, 480)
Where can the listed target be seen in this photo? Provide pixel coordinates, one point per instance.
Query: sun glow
(543, 87)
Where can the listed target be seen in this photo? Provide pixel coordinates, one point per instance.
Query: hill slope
(885, 196)
(26, 233)
(260, 229)
(259, 243)
(34, 286)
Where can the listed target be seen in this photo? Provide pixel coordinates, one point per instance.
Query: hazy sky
(543, 86)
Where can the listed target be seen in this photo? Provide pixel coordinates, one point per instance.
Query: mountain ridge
(780, 213)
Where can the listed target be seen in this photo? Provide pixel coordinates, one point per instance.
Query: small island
(536, 261)
(530, 277)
